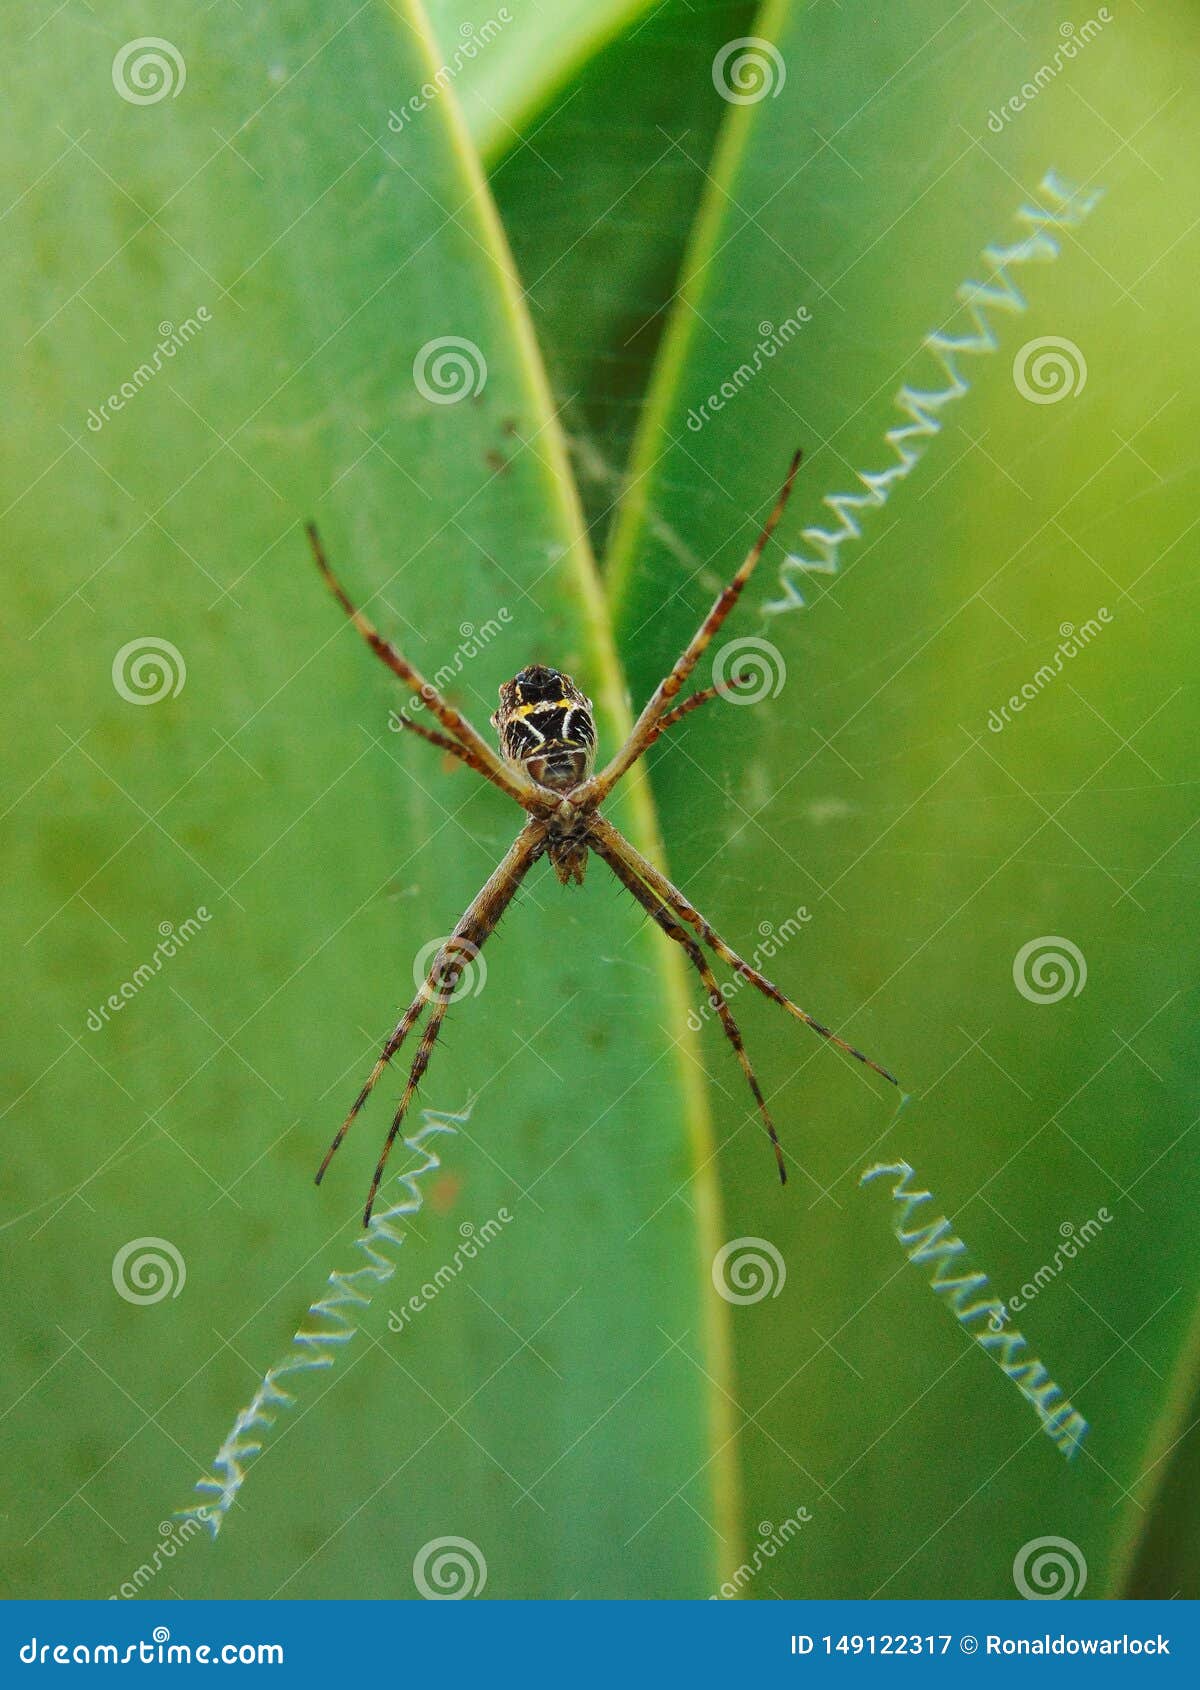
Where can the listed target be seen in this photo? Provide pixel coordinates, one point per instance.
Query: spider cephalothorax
(548, 741)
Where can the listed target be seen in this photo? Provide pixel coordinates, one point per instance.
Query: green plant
(585, 1407)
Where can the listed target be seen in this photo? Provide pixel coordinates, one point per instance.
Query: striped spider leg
(547, 740)
(609, 846)
(652, 719)
(608, 843)
(463, 946)
(468, 744)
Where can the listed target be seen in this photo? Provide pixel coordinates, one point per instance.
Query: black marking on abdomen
(563, 723)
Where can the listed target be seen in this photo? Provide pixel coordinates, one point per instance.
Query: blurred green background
(612, 236)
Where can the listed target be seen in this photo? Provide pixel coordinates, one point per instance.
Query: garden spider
(548, 741)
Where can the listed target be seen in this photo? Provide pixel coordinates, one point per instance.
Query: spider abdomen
(545, 727)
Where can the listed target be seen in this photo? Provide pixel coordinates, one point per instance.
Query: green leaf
(927, 849)
(562, 1404)
(598, 207)
(1160, 1549)
(506, 62)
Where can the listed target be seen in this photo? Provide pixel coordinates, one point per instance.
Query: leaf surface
(891, 843)
(558, 1401)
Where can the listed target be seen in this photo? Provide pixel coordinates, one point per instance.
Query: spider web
(331, 1322)
(1069, 206)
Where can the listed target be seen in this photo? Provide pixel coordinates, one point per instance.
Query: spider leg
(609, 843)
(420, 1062)
(476, 925)
(401, 1031)
(444, 743)
(482, 758)
(642, 733)
(728, 690)
(654, 906)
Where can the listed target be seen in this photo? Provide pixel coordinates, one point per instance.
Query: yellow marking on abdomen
(544, 704)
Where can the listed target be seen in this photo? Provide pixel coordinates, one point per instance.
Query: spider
(547, 740)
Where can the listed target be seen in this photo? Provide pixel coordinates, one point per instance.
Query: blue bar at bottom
(585, 1643)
